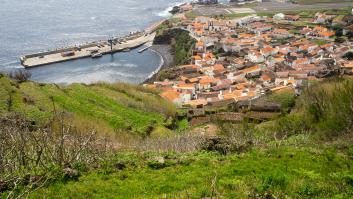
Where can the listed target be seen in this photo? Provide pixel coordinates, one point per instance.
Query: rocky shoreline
(164, 50)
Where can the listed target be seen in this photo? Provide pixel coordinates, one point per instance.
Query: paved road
(264, 7)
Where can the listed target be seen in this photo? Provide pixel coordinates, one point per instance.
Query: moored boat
(96, 55)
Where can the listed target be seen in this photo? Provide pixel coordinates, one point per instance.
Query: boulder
(71, 174)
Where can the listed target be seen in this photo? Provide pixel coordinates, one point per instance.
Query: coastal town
(246, 58)
(208, 99)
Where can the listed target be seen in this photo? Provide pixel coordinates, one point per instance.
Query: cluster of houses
(246, 58)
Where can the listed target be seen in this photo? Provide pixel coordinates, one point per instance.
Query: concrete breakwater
(87, 50)
(93, 49)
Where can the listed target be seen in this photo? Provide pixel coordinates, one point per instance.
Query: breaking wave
(166, 13)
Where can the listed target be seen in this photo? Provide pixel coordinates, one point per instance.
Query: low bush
(285, 98)
(292, 124)
(348, 56)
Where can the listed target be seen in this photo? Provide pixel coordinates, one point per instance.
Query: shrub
(348, 55)
(236, 138)
(339, 40)
(349, 180)
(292, 124)
(20, 75)
(51, 153)
(285, 98)
(328, 106)
(308, 190)
(161, 162)
(220, 145)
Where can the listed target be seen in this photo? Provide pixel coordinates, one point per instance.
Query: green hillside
(121, 107)
(307, 153)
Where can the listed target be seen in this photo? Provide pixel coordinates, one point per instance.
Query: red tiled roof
(170, 95)
(348, 65)
(251, 69)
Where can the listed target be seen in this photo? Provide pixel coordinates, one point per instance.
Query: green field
(313, 172)
(321, 1)
(120, 107)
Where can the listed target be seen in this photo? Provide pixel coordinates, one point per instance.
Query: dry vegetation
(30, 155)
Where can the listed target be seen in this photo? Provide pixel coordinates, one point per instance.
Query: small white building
(256, 57)
(279, 16)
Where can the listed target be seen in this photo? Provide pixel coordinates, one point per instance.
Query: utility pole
(110, 41)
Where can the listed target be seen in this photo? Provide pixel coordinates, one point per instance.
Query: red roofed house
(206, 82)
(281, 33)
(252, 71)
(172, 96)
(268, 51)
(209, 58)
(200, 46)
(300, 61)
(348, 68)
(218, 67)
(326, 34)
(322, 18)
(183, 86)
(259, 27)
(266, 79)
(198, 103)
(292, 17)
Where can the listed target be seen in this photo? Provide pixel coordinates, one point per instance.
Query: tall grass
(328, 106)
(122, 107)
(325, 110)
(141, 98)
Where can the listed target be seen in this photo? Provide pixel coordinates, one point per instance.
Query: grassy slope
(284, 171)
(298, 165)
(121, 107)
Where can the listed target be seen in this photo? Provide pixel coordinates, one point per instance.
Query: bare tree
(25, 147)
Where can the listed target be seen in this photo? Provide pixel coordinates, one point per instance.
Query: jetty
(147, 46)
(131, 41)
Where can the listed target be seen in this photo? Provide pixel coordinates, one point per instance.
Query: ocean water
(30, 26)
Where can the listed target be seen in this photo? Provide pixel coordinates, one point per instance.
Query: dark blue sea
(30, 26)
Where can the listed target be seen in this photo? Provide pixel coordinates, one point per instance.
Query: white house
(279, 16)
(255, 57)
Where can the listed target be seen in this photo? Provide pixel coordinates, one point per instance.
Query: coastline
(164, 52)
(167, 60)
(161, 65)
